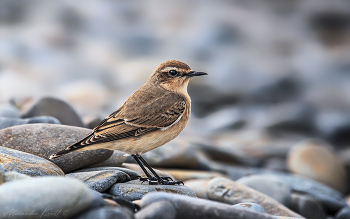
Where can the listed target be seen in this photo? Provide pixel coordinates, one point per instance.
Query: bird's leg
(149, 177)
(161, 180)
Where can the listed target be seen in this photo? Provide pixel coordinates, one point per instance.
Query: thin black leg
(161, 180)
(142, 167)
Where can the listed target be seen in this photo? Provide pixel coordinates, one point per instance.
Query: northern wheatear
(154, 115)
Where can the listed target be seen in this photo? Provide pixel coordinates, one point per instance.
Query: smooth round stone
(227, 191)
(107, 213)
(49, 197)
(161, 209)
(116, 160)
(307, 206)
(8, 111)
(199, 186)
(47, 139)
(100, 180)
(49, 106)
(271, 187)
(14, 176)
(13, 160)
(330, 199)
(136, 189)
(195, 208)
(8, 122)
(250, 206)
(314, 160)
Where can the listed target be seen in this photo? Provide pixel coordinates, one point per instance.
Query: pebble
(134, 190)
(227, 191)
(8, 122)
(14, 176)
(47, 139)
(21, 162)
(100, 180)
(344, 213)
(199, 186)
(132, 174)
(160, 209)
(307, 206)
(107, 213)
(49, 106)
(313, 159)
(250, 206)
(271, 187)
(8, 111)
(49, 197)
(195, 208)
(330, 199)
(116, 160)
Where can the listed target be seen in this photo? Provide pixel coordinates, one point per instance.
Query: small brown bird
(154, 115)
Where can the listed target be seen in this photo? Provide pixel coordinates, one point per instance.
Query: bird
(152, 116)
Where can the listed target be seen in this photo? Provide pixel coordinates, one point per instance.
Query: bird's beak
(196, 73)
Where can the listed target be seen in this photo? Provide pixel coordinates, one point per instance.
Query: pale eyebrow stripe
(173, 68)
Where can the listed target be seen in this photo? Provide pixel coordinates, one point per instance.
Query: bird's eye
(173, 73)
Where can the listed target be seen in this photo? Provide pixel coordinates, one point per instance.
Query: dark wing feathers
(133, 121)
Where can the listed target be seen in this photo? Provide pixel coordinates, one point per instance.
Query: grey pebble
(100, 180)
(44, 197)
(135, 190)
(161, 209)
(47, 139)
(344, 213)
(8, 122)
(13, 160)
(195, 208)
(307, 206)
(250, 206)
(107, 213)
(9, 111)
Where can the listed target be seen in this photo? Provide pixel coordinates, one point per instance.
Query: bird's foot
(163, 181)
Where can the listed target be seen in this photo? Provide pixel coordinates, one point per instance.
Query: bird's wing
(133, 120)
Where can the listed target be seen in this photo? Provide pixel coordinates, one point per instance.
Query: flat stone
(199, 186)
(116, 160)
(8, 122)
(132, 174)
(13, 160)
(161, 209)
(49, 106)
(107, 213)
(134, 190)
(8, 111)
(307, 206)
(315, 160)
(195, 208)
(228, 191)
(250, 206)
(271, 187)
(100, 180)
(47, 139)
(330, 199)
(49, 197)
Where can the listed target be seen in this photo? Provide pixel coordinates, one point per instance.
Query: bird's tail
(74, 147)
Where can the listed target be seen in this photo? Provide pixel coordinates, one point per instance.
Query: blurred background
(279, 70)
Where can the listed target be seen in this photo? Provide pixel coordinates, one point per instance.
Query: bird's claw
(163, 181)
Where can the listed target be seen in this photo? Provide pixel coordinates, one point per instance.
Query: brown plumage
(154, 115)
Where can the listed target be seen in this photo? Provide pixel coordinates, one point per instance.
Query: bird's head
(173, 75)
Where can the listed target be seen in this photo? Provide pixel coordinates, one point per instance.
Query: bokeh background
(279, 70)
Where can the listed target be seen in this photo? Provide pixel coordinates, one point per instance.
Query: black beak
(196, 73)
